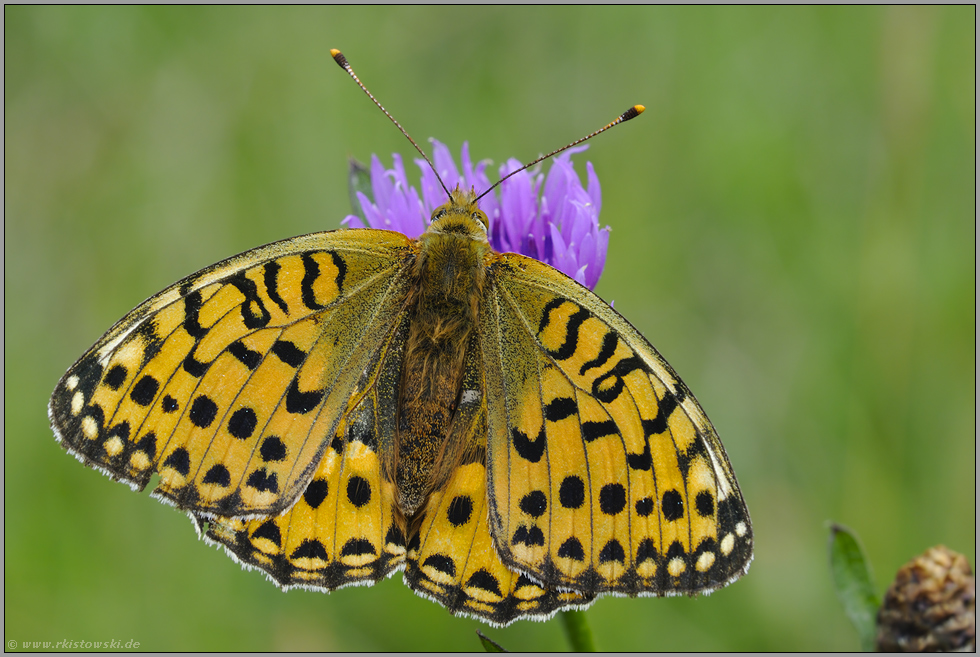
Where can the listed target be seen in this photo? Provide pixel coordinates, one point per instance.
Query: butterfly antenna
(344, 64)
(631, 113)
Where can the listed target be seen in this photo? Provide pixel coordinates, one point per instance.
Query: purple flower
(559, 227)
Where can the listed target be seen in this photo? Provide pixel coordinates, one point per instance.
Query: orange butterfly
(337, 406)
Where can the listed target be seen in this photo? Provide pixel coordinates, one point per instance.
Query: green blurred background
(792, 227)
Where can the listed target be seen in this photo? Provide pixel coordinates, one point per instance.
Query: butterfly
(338, 406)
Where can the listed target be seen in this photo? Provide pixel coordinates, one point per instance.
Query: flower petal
(551, 218)
(352, 221)
(381, 184)
(595, 190)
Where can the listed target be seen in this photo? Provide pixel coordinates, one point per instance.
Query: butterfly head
(460, 216)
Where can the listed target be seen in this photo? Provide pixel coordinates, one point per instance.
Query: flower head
(550, 218)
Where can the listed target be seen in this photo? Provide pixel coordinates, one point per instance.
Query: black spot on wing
(89, 373)
(194, 367)
(395, 536)
(316, 492)
(288, 353)
(270, 276)
(675, 550)
(482, 579)
(612, 551)
(301, 402)
(192, 308)
(179, 460)
(263, 481)
(311, 272)
(95, 412)
(546, 313)
(659, 424)
(609, 392)
(121, 430)
(460, 510)
(593, 430)
(641, 461)
(145, 390)
(571, 493)
(695, 449)
(358, 491)
(530, 450)
(356, 547)
(644, 506)
(242, 423)
(609, 343)
(534, 503)
(273, 449)
(529, 536)
(442, 563)
(560, 408)
(572, 549)
(414, 542)
(705, 504)
(218, 475)
(269, 530)
(148, 444)
(247, 357)
(672, 505)
(646, 551)
(310, 549)
(341, 266)
(254, 313)
(612, 499)
(152, 342)
(203, 412)
(567, 348)
(115, 377)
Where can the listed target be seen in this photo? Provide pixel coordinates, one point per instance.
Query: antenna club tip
(631, 113)
(338, 57)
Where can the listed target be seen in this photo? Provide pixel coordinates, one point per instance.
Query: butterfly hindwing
(231, 382)
(604, 472)
(451, 556)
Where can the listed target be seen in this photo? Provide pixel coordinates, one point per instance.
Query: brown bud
(930, 606)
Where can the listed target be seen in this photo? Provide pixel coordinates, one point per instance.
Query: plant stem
(578, 631)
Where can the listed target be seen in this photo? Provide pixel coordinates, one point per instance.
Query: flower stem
(578, 631)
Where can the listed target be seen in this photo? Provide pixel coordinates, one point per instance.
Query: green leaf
(358, 180)
(488, 644)
(854, 583)
(578, 631)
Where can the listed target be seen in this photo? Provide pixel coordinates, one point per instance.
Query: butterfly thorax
(449, 272)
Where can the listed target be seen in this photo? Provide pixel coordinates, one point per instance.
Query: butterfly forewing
(605, 474)
(344, 528)
(231, 382)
